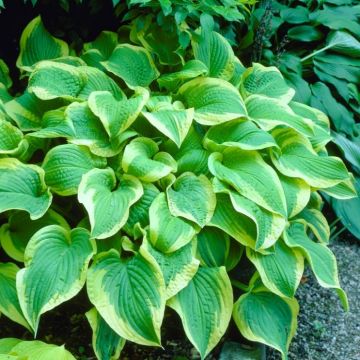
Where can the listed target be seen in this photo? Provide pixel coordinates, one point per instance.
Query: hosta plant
(148, 182)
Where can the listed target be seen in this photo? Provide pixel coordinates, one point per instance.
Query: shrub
(316, 46)
(147, 176)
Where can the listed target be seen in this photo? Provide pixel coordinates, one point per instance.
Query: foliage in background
(316, 45)
(148, 176)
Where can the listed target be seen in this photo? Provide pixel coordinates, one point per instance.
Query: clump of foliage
(146, 177)
(316, 45)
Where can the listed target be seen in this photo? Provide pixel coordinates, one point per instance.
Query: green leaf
(192, 69)
(140, 212)
(9, 302)
(317, 223)
(344, 43)
(142, 159)
(5, 75)
(243, 134)
(295, 15)
(267, 318)
(297, 193)
(38, 350)
(106, 202)
(23, 187)
(266, 81)
(306, 33)
(298, 159)
(11, 138)
(168, 233)
(215, 52)
(64, 166)
(106, 343)
(88, 130)
(236, 224)
(28, 111)
(319, 256)
(16, 234)
(269, 225)
(129, 295)
(36, 44)
(280, 271)
(6, 344)
(117, 116)
(251, 176)
(60, 257)
(172, 120)
(215, 100)
(51, 80)
(178, 267)
(192, 198)
(213, 247)
(269, 113)
(204, 307)
(133, 64)
(348, 211)
(105, 43)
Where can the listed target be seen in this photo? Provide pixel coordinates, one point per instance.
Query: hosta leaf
(178, 267)
(298, 159)
(97, 80)
(10, 138)
(237, 133)
(60, 257)
(38, 350)
(51, 80)
(23, 187)
(105, 43)
(190, 70)
(64, 166)
(168, 233)
(204, 307)
(133, 64)
(213, 247)
(15, 234)
(344, 43)
(269, 225)
(9, 302)
(319, 256)
(251, 176)
(37, 44)
(297, 194)
(174, 123)
(6, 344)
(27, 110)
(215, 101)
(266, 81)
(129, 295)
(265, 317)
(139, 212)
(142, 159)
(237, 225)
(116, 116)
(88, 130)
(344, 190)
(317, 223)
(280, 271)
(106, 343)
(269, 113)
(215, 52)
(192, 198)
(4, 75)
(106, 202)
(191, 156)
